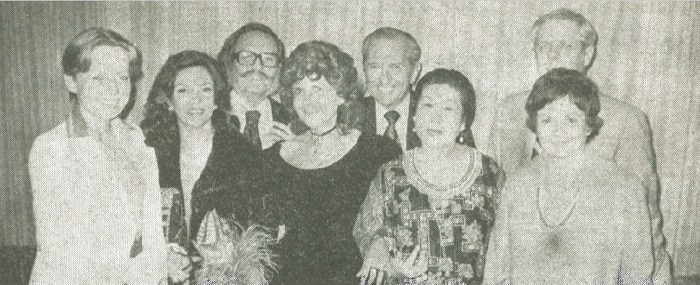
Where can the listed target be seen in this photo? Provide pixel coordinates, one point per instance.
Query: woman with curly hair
(428, 214)
(204, 163)
(323, 173)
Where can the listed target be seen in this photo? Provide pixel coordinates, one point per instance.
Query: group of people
(374, 185)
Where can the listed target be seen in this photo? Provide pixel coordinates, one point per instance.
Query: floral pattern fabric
(452, 230)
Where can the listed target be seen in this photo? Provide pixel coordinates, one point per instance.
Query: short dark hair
(76, 58)
(457, 81)
(390, 33)
(319, 59)
(160, 124)
(226, 54)
(565, 83)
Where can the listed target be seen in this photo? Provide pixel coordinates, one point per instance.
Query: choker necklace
(324, 133)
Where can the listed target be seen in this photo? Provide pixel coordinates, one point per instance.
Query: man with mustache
(390, 59)
(564, 38)
(253, 57)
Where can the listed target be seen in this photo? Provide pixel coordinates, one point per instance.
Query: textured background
(648, 55)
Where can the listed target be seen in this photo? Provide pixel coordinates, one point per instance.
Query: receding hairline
(586, 32)
(410, 46)
(265, 35)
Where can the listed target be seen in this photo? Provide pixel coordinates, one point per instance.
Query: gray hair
(588, 35)
(390, 33)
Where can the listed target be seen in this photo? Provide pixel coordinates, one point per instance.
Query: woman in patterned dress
(429, 213)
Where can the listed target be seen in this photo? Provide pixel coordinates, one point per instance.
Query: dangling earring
(460, 137)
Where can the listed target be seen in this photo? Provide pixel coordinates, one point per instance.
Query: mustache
(256, 72)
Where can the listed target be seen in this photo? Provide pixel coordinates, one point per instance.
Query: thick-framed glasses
(267, 59)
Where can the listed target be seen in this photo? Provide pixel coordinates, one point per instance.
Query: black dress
(319, 209)
(230, 182)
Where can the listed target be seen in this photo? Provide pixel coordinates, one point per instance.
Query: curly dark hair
(457, 81)
(76, 58)
(319, 59)
(565, 83)
(160, 123)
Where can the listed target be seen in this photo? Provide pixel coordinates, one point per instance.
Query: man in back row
(564, 38)
(253, 56)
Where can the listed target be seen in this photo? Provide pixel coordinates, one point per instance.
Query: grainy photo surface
(321, 142)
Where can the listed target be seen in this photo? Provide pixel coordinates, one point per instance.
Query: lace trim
(474, 167)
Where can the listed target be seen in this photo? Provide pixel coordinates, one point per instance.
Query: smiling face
(316, 102)
(561, 128)
(104, 89)
(439, 116)
(389, 72)
(255, 80)
(559, 44)
(193, 96)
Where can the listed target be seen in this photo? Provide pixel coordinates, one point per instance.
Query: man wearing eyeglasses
(253, 57)
(564, 38)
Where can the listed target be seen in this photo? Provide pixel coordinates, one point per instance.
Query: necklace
(324, 133)
(316, 139)
(568, 213)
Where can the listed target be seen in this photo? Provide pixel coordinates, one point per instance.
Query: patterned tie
(390, 132)
(251, 128)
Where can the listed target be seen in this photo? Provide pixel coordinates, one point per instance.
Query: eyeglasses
(267, 59)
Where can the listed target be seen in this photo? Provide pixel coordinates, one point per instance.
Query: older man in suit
(564, 38)
(391, 64)
(253, 57)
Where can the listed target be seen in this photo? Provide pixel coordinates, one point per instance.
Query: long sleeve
(53, 262)
(636, 155)
(370, 219)
(497, 268)
(153, 258)
(636, 262)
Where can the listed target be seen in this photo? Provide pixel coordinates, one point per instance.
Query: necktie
(390, 132)
(251, 127)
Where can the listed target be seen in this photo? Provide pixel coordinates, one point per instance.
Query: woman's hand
(179, 265)
(280, 132)
(412, 266)
(380, 264)
(376, 260)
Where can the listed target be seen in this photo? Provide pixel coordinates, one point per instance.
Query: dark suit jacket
(412, 139)
(370, 121)
(279, 114)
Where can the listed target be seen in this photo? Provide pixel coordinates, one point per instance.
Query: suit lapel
(412, 140)
(370, 125)
(279, 113)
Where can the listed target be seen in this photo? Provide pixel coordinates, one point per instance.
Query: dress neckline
(474, 166)
(360, 141)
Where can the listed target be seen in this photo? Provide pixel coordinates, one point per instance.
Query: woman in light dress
(94, 183)
(569, 217)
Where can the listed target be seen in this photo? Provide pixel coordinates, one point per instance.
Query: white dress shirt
(401, 123)
(238, 108)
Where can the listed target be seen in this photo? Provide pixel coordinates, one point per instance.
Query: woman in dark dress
(323, 174)
(204, 163)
